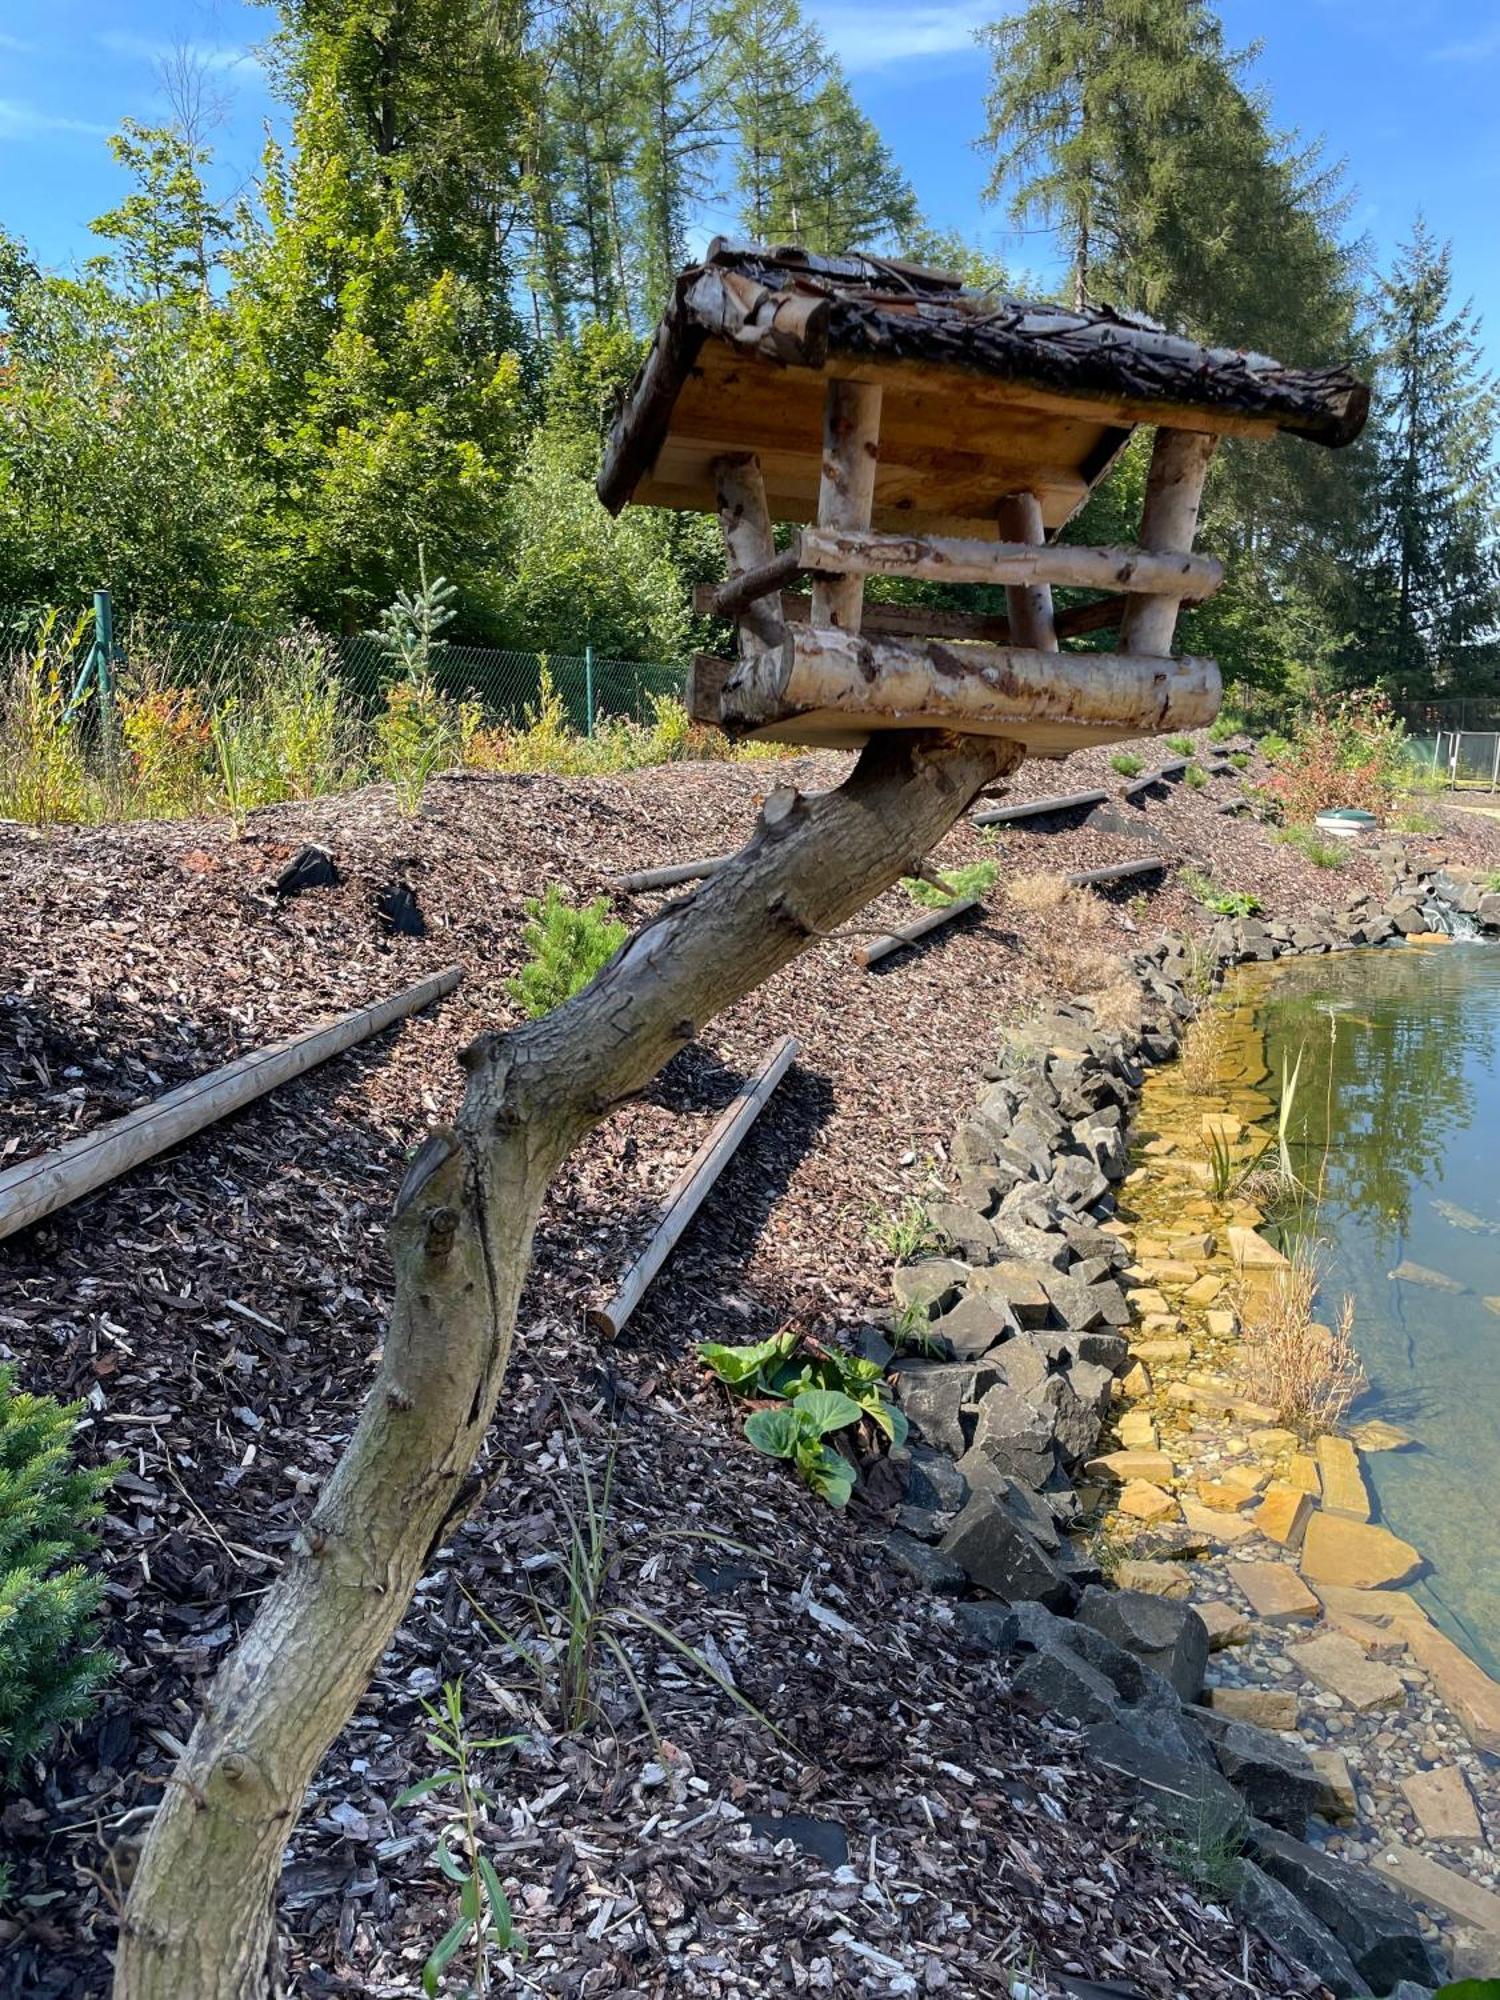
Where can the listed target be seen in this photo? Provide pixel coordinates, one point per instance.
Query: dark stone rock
(1167, 1635)
(1271, 1909)
(1038, 1250)
(1061, 1682)
(1091, 1382)
(933, 1568)
(933, 1285)
(1487, 910)
(1018, 1288)
(870, 1344)
(1105, 1350)
(824, 1839)
(974, 1325)
(1077, 1181)
(1407, 918)
(1075, 1424)
(1377, 1927)
(923, 1524)
(933, 1394)
(1272, 1774)
(1015, 1435)
(1001, 1556)
(934, 1480)
(987, 1627)
(970, 1233)
(1187, 1795)
(311, 867)
(1107, 1148)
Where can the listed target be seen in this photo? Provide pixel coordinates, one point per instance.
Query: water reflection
(1397, 1118)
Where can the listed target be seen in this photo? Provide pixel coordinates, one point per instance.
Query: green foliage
(975, 878)
(50, 1661)
(1240, 759)
(1273, 747)
(44, 777)
(484, 1923)
(567, 948)
(1127, 764)
(907, 1233)
(796, 1431)
(1348, 752)
(1180, 746)
(822, 1391)
(1221, 902)
(1195, 777)
(1228, 723)
(1204, 1843)
(1321, 853)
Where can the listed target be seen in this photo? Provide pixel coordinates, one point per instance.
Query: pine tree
(1436, 569)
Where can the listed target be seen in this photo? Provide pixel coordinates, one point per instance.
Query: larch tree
(678, 61)
(776, 65)
(836, 186)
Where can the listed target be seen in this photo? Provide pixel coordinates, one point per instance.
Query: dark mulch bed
(219, 1311)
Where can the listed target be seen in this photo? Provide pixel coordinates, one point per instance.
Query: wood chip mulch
(219, 1311)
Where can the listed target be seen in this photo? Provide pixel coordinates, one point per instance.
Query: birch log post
(846, 493)
(1028, 605)
(1169, 521)
(200, 1921)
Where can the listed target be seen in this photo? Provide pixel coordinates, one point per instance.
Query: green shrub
(1240, 759)
(1126, 763)
(1227, 723)
(1195, 777)
(567, 947)
(50, 1662)
(1180, 746)
(976, 878)
(1273, 747)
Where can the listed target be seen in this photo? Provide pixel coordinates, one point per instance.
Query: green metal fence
(222, 659)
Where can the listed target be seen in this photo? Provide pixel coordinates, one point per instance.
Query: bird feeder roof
(982, 395)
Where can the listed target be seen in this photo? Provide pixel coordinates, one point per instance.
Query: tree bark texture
(200, 1922)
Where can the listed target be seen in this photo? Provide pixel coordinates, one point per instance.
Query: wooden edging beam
(1160, 776)
(1116, 871)
(668, 878)
(685, 1196)
(919, 621)
(882, 947)
(1038, 808)
(39, 1186)
(956, 559)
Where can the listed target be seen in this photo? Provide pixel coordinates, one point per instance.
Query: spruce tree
(1435, 578)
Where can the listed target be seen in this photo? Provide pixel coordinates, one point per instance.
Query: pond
(1397, 1114)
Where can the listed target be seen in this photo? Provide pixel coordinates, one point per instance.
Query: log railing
(959, 559)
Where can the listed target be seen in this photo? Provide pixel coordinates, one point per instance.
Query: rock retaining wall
(1024, 1330)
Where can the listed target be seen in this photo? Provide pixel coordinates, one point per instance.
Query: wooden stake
(1117, 871)
(669, 877)
(851, 444)
(685, 1196)
(1169, 520)
(38, 1187)
(1038, 808)
(882, 947)
(1029, 605)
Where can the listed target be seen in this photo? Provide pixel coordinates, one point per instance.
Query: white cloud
(873, 37)
(25, 121)
(220, 56)
(14, 45)
(1477, 49)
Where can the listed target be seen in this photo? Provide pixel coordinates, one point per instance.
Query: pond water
(1397, 1109)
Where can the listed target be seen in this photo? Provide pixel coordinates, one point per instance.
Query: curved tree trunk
(200, 1922)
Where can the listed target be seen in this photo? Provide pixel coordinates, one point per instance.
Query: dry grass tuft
(1309, 1373)
(1203, 1049)
(1038, 894)
(1079, 967)
(1117, 1003)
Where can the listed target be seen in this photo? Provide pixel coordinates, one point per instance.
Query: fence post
(104, 677)
(588, 690)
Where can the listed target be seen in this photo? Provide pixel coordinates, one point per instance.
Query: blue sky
(1403, 89)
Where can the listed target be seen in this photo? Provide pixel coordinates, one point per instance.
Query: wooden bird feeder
(920, 430)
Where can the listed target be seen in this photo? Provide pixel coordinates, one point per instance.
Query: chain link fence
(223, 661)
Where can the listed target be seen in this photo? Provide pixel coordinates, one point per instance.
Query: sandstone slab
(1267, 1708)
(1251, 1250)
(1283, 1514)
(1466, 1688)
(1302, 1472)
(1444, 1805)
(1277, 1595)
(1343, 1482)
(1430, 1882)
(1225, 1529)
(1122, 1466)
(1136, 1382)
(1231, 1492)
(1340, 1800)
(1220, 1323)
(1143, 1501)
(1337, 1550)
(1137, 1431)
(1224, 1625)
(1158, 1579)
(1336, 1663)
